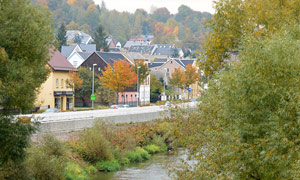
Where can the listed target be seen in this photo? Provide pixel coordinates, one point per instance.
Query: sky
(172, 5)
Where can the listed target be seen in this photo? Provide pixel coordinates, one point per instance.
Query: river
(154, 169)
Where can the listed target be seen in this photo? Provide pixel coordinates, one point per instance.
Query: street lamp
(165, 70)
(93, 85)
(137, 87)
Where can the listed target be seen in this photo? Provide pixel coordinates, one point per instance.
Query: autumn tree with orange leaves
(177, 78)
(118, 77)
(75, 81)
(183, 79)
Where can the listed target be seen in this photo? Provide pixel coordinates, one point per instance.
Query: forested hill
(184, 28)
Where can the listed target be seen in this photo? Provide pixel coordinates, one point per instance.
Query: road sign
(92, 97)
(190, 89)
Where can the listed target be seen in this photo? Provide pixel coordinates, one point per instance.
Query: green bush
(159, 141)
(76, 172)
(152, 149)
(91, 169)
(134, 156)
(144, 154)
(138, 155)
(108, 166)
(93, 146)
(41, 166)
(124, 161)
(52, 146)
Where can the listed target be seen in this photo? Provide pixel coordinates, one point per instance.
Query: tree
(100, 39)
(161, 14)
(156, 87)
(142, 73)
(77, 39)
(85, 90)
(75, 81)
(61, 36)
(26, 37)
(178, 78)
(118, 77)
(191, 76)
(235, 19)
(247, 123)
(175, 53)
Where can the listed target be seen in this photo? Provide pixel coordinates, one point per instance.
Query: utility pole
(93, 95)
(137, 88)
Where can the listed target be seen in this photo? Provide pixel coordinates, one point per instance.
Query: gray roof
(88, 47)
(179, 62)
(141, 49)
(67, 50)
(85, 38)
(110, 57)
(153, 65)
(164, 49)
(84, 55)
(162, 60)
(187, 62)
(135, 43)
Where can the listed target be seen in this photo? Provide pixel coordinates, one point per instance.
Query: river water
(154, 169)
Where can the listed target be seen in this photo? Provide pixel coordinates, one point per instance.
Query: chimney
(101, 49)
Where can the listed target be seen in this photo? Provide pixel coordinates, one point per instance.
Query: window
(67, 83)
(75, 63)
(99, 69)
(56, 83)
(91, 68)
(62, 83)
(171, 62)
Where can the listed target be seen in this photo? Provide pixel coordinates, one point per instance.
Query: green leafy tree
(61, 36)
(26, 37)
(77, 39)
(85, 90)
(248, 121)
(235, 19)
(156, 88)
(100, 39)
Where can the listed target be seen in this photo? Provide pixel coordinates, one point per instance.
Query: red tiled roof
(59, 63)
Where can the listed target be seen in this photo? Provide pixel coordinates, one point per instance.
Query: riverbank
(103, 148)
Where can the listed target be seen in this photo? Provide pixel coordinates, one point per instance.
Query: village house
(101, 60)
(56, 91)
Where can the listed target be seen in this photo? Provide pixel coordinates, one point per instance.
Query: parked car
(51, 110)
(124, 106)
(114, 106)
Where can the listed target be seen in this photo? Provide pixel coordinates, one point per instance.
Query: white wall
(75, 57)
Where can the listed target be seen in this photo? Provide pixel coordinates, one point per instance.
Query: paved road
(72, 121)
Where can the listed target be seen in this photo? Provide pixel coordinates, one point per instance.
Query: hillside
(186, 28)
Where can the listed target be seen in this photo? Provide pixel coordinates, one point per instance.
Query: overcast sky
(172, 5)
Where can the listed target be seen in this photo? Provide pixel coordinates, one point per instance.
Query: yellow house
(56, 92)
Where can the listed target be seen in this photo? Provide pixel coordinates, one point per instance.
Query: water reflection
(154, 169)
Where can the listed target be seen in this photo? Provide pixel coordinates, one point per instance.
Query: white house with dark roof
(77, 54)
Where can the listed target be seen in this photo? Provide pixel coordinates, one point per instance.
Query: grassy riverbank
(104, 147)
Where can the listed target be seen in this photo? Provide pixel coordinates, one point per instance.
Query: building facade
(56, 91)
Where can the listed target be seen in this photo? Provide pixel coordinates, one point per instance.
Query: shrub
(93, 146)
(159, 141)
(144, 154)
(124, 161)
(152, 149)
(91, 169)
(76, 172)
(40, 165)
(108, 166)
(133, 156)
(52, 146)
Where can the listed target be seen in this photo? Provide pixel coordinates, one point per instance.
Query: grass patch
(108, 166)
(152, 149)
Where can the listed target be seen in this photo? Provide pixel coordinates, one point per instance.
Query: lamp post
(93, 85)
(137, 87)
(165, 70)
